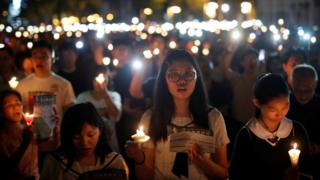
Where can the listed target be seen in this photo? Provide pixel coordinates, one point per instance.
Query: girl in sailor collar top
(262, 145)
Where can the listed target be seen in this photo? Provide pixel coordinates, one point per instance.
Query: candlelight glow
(13, 83)
(140, 136)
(100, 78)
(28, 118)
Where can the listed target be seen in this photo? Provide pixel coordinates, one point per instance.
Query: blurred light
(306, 36)
(300, 32)
(225, 7)
(56, 36)
(8, 29)
(18, 34)
(280, 47)
(252, 36)
(147, 11)
(280, 21)
(106, 61)
(194, 49)
(78, 34)
(69, 34)
(264, 29)
(25, 34)
(205, 51)
(135, 20)
(100, 34)
(147, 54)
(109, 17)
(210, 9)
(197, 42)
(137, 64)
(29, 45)
(2, 45)
(174, 9)
(151, 29)
(235, 35)
(110, 47)
(276, 37)
(144, 36)
(285, 37)
(172, 44)
(313, 39)
(79, 44)
(156, 51)
(115, 62)
(246, 7)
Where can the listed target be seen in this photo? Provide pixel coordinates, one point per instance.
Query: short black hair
(43, 44)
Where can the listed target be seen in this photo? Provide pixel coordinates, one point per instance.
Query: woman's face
(12, 108)
(86, 141)
(181, 79)
(276, 109)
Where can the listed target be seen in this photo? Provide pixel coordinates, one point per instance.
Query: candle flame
(100, 78)
(295, 146)
(140, 131)
(13, 83)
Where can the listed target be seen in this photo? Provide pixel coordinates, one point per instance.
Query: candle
(100, 78)
(294, 155)
(140, 136)
(13, 83)
(28, 118)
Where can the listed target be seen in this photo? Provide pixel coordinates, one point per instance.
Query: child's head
(83, 133)
(271, 97)
(11, 106)
(304, 83)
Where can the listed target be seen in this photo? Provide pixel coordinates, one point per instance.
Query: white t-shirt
(53, 84)
(164, 159)
(101, 106)
(54, 168)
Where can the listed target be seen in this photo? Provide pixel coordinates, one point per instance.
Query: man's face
(304, 89)
(291, 63)
(41, 60)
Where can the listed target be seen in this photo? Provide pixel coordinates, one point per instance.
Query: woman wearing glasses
(180, 104)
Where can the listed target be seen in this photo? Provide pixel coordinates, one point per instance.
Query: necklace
(274, 138)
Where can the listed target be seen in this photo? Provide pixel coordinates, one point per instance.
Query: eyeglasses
(188, 76)
(13, 105)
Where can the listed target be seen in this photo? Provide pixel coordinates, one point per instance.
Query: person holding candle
(263, 145)
(106, 101)
(180, 103)
(18, 147)
(84, 152)
(304, 107)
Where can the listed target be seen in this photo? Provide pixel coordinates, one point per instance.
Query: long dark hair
(3, 95)
(72, 124)
(163, 105)
(269, 87)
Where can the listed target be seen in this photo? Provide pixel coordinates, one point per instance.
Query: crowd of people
(85, 110)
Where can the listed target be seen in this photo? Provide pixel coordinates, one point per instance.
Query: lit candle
(100, 78)
(13, 83)
(294, 155)
(28, 118)
(140, 136)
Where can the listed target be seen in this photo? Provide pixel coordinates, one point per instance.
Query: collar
(283, 131)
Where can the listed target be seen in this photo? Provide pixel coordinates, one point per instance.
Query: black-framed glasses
(176, 76)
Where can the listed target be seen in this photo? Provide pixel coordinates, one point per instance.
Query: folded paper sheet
(180, 142)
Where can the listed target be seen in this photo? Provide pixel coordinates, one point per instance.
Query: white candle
(294, 154)
(140, 136)
(28, 118)
(13, 83)
(100, 78)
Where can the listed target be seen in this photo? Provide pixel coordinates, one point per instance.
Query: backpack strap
(113, 158)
